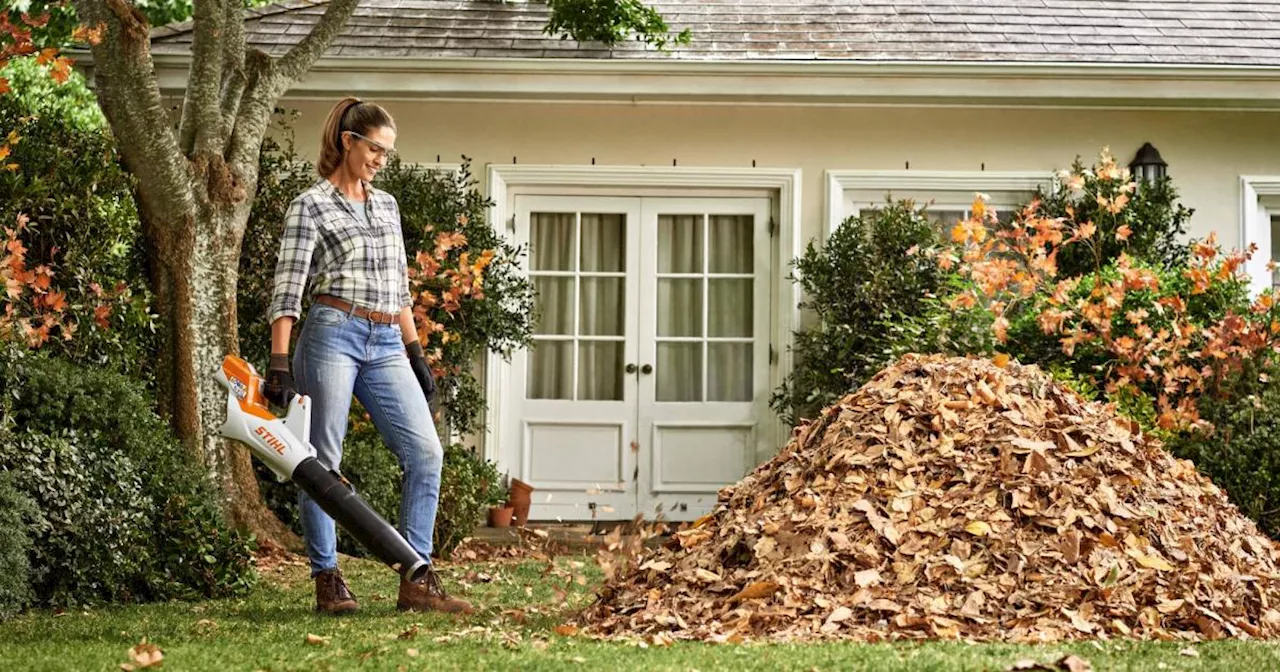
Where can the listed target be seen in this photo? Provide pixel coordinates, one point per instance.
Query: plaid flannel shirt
(326, 246)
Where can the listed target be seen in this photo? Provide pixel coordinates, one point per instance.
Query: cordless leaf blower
(284, 446)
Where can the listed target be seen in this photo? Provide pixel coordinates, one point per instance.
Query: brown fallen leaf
(143, 655)
(755, 591)
(410, 633)
(315, 640)
(566, 630)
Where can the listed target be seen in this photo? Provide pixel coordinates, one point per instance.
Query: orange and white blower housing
(284, 446)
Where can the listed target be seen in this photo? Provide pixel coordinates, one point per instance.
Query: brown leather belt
(371, 315)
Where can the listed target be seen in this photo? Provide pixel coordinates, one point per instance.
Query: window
(945, 196)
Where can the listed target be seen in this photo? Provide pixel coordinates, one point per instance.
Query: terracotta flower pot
(500, 516)
(520, 499)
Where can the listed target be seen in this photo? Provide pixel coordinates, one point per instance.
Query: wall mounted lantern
(1147, 166)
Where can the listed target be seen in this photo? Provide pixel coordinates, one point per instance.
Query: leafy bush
(1105, 195)
(1241, 453)
(74, 272)
(16, 512)
(123, 512)
(468, 487)
(1164, 329)
(864, 286)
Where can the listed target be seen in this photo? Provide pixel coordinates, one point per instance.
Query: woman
(342, 245)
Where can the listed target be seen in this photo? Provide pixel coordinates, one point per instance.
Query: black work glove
(279, 388)
(420, 369)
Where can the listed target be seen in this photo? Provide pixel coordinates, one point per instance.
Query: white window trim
(886, 181)
(1259, 202)
(505, 181)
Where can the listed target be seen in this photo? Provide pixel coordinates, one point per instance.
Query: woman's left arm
(408, 330)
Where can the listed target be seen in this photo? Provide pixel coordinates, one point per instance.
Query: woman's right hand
(279, 388)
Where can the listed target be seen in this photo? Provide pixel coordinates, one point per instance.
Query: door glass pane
(555, 304)
(600, 370)
(729, 372)
(603, 307)
(679, 307)
(551, 241)
(732, 243)
(729, 308)
(550, 374)
(603, 243)
(679, 372)
(680, 244)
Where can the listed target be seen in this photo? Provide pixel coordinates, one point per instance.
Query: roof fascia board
(668, 81)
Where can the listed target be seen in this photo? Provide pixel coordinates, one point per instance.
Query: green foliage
(16, 512)
(1242, 453)
(468, 487)
(610, 22)
(84, 227)
(124, 514)
(1157, 221)
(35, 91)
(866, 286)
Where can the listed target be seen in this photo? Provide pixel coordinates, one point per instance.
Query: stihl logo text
(275, 444)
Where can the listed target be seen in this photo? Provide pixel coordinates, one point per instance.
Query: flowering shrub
(1140, 323)
(71, 261)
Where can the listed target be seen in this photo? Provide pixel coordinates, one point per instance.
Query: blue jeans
(339, 354)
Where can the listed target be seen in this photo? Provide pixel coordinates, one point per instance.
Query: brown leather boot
(332, 594)
(428, 594)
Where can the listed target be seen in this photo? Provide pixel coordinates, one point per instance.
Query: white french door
(648, 380)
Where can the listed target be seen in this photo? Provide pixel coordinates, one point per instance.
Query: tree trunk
(195, 269)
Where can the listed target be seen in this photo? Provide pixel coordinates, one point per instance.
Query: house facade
(664, 194)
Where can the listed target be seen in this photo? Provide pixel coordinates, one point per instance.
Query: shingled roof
(1184, 32)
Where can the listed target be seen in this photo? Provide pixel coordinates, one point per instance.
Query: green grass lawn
(268, 631)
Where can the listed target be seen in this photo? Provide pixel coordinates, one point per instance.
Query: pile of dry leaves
(954, 498)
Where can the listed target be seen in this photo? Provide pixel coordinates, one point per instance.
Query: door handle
(646, 369)
(631, 368)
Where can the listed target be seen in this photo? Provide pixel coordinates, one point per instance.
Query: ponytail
(349, 114)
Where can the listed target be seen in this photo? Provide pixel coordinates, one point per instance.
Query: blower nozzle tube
(356, 517)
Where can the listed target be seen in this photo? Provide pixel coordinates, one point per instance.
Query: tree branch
(205, 79)
(299, 59)
(268, 80)
(125, 78)
(233, 75)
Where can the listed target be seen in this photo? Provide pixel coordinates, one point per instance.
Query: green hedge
(16, 512)
(123, 513)
(861, 285)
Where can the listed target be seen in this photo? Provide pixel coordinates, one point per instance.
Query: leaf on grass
(142, 656)
(316, 640)
(566, 630)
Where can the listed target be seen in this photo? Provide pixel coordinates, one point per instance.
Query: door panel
(704, 328)
(575, 421)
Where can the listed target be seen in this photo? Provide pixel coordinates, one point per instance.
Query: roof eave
(635, 81)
